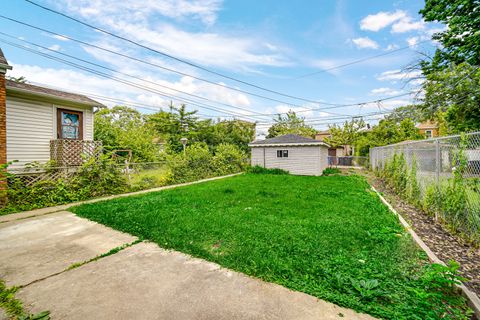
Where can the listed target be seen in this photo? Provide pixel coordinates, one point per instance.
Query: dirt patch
(444, 244)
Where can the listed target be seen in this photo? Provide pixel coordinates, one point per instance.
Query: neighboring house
(294, 153)
(321, 135)
(333, 153)
(39, 124)
(428, 129)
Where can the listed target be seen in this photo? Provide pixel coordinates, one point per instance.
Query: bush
(262, 170)
(329, 171)
(194, 164)
(228, 159)
(96, 177)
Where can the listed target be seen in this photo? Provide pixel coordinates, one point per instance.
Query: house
(333, 152)
(38, 124)
(294, 153)
(428, 129)
(321, 135)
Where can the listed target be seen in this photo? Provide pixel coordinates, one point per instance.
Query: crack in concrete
(79, 264)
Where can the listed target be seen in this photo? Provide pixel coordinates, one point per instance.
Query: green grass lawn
(330, 237)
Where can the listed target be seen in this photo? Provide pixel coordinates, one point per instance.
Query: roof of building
(428, 125)
(52, 93)
(288, 139)
(3, 61)
(2, 57)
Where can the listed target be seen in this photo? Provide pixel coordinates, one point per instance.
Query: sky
(281, 53)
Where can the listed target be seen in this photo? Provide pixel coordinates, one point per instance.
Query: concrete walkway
(141, 281)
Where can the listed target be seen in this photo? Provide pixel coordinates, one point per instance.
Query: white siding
(257, 156)
(30, 127)
(302, 160)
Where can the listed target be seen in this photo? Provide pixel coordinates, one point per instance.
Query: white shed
(294, 153)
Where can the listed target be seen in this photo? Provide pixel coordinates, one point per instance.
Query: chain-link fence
(348, 161)
(437, 161)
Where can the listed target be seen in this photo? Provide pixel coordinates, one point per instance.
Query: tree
(125, 128)
(20, 79)
(412, 111)
(236, 132)
(461, 39)
(290, 123)
(346, 135)
(454, 93)
(386, 132)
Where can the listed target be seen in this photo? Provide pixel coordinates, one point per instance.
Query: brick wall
(3, 138)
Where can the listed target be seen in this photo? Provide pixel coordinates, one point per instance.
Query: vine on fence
(102, 176)
(447, 201)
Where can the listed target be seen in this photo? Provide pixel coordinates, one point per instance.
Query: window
(69, 124)
(428, 134)
(282, 153)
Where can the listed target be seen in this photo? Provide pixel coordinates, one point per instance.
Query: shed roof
(52, 93)
(288, 139)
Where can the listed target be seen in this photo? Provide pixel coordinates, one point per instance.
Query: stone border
(48, 210)
(472, 298)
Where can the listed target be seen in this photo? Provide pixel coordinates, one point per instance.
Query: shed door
(69, 124)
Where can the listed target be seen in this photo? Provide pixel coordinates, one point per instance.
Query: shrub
(228, 159)
(262, 170)
(96, 177)
(194, 164)
(329, 171)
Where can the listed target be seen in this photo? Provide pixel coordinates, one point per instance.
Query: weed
(325, 236)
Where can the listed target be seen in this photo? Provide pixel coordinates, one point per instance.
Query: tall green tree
(412, 111)
(454, 93)
(386, 132)
(290, 124)
(461, 39)
(346, 134)
(125, 128)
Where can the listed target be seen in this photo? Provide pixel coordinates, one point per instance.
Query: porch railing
(73, 152)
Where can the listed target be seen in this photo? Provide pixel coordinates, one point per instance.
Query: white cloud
(376, 22)
(400, 21)
(385, 92)
(133, 10)
(305, 112)
(59, 37)
(142, 22)
(365, 42)
(70, 80)
(407, 24)
(54, 47)
(412, 42)
(391, 47)
(395, 75)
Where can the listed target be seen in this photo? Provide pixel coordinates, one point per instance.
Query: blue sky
(267, 43)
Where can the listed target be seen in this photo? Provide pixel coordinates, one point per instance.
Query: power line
(126, 74)
(256, 114)
(167, 54)
(156, 91)
(156, 65)
(130, 103)
(359, 60)
(196, 65)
